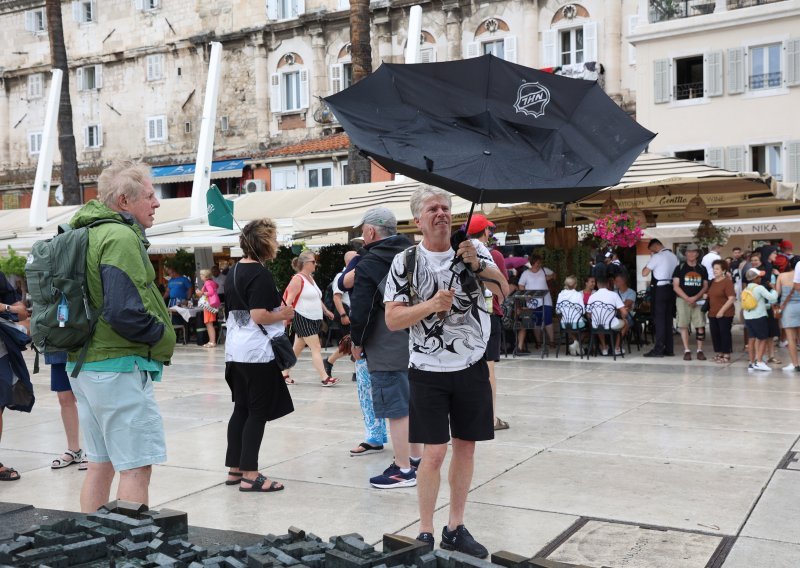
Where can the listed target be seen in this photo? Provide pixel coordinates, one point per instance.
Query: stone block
(72, 538)
(47, 538)
(453, 559)
(427, 560)
(127, 508)
(112, 536)
(172, 523)
(36, 556)
(314, 560)
(15, 547)
(214, 561)
(84, 525)
(86, 551)
(117, 521)
(233, 562)
(155, 545)
(340, 559)
(29, 533)
(299, 549)
(64, 526)
(355, 546)
(133, 549)
(283, 558)
(159, 559)
(297, 534)
(259, 560)
(56, 562)
(508, 559)
(142, 534)
(399, 549)
(312, 536)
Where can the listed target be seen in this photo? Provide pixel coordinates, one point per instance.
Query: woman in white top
(537, 277)
(305, 296)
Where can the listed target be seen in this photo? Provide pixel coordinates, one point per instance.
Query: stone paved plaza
(598, 455)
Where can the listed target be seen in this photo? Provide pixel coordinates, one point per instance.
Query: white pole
(414, 31)
(37, 215)
(205, 146)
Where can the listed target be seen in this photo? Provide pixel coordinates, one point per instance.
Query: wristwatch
(343, 315)
(8, 308)
(481, 267)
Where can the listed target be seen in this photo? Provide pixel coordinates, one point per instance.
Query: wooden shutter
(735, 70)
(792, 48)
(77, 11)
(275, 93)
(661, 81)
(79, 77)
(138, 4)
(30, 21)
(335, 78)
(299, 8)
(98, 76)
(510, 48)
(272, 9)
(792, 174)
(735, 158)
(712, 74)
(715, 157)
(427, 55)
(304, 88)
(86, 135)
(93, 8)
(549, 55)
(590, 41)
(99, 135)
(472, 50)
(632, 23)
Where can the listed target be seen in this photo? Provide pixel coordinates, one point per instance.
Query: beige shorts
(689, 314)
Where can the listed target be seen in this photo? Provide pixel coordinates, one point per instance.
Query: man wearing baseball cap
(480, 228)
(690, 282)
(782, 260)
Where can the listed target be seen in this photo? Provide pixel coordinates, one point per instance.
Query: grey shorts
(119, 418)
(390, 393)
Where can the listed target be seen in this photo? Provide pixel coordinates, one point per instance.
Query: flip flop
(364, 448)
(329, 382)
(500, 424)
(257, 485)
(289, 380)
(234, 481)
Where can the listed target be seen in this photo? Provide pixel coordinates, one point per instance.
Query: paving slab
(682, 495)
(565, 408)
(777, 514)
(600, 543)
(706, 445)
(747, 398)
(597, 391)
(753, 552)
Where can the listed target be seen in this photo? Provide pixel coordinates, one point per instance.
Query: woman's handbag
(777, 311)
(281, 346)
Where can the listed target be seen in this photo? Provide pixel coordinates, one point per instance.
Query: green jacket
(133, 318)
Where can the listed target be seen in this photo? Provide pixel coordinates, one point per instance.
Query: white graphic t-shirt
(460, 339)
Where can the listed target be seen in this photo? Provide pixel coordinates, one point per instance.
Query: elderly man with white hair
(448, 375)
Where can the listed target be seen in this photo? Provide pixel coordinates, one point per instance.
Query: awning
(185, 172)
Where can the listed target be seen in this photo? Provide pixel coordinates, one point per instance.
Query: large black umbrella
(489, 130)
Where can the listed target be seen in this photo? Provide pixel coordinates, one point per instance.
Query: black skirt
(259, 386)
(304, 327)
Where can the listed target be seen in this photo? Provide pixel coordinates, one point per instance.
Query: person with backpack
(690, 282)
(305, 297)
(340, 306)
(385, 351)
(439, 298)
(131, 342)
(755, 299)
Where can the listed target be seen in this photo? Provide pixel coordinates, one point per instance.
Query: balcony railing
(663, 10)
(765, 80)
(736, 4)
(684, 91)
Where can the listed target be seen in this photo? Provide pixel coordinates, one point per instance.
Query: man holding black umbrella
(448, 374)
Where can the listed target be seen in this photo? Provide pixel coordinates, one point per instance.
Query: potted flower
(618, 229)
(708, 234)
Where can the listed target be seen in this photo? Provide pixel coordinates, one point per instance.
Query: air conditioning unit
(254, 186)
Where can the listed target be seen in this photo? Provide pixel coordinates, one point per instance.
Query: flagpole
(37, 216)
(205, 146)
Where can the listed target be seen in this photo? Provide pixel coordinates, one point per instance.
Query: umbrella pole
(466, 230)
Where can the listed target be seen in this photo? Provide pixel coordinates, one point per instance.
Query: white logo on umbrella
(532, 98)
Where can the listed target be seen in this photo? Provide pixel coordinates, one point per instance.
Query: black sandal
(9, 474)
(234, 481)
(257, 485)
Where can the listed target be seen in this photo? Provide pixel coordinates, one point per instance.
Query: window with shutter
(793, 63)
(83, 11)
(572, 46)
(792, 162)
(272, 9)
(735, 158)
(689, 77)
(154, 67)
(304, 88)
(427, 55)
(765, 66)
(715, 157)
(510, 48)
(93, 136)
(472, 50)
(712, 74)
(35, 21)
(275, 93)
(735, 70)
(549, 53)
(335, 78)
(35, 85)
(766, 159)
(661, 82)
(495, 47)
(34, 143)
(590, 41)
(156, 129)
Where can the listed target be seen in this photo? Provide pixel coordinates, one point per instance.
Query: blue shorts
(390, 393)
(120, 418)
(757, 328)
(59, 379)
(547, 311)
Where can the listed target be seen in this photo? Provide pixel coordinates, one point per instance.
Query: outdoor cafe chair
(572, 323)
(602, 315)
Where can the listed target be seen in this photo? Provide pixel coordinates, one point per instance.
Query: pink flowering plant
(618, 229)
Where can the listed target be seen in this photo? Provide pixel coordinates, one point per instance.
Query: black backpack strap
(410, 263)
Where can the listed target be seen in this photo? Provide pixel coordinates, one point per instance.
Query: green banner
(220, 210)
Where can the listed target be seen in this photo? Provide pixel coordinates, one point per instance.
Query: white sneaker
(761, 366)
(784, 344)
(618, 352)
(573, 348)
(604, 352)
(788, 367)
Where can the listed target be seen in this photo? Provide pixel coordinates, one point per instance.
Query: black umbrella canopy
(489, 130)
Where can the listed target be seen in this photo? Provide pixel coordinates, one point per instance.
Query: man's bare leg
(398, 431)
(97, 486)
(428, 480)
(460, 478)
(134, 484)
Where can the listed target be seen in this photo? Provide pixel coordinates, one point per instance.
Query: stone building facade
(138, 73)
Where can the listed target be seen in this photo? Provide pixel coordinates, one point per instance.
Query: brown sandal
(8, 474)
